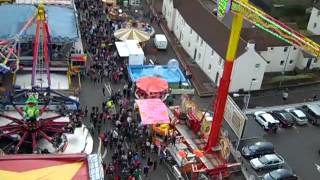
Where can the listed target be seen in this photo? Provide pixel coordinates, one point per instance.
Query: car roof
(281, 173)
(268, 117)
(299, 113)
(272, 157)
(315, 108)
(264, 144)
(161, 37)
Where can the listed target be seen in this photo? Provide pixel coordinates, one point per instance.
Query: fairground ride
(243, 9)
(30, 116)
(12, 48)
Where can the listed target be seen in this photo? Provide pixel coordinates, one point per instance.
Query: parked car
(299, 116)
(267, 161)
(257, 149)
(280, 174)
(313, 113)
(285, 118)
(266, 120)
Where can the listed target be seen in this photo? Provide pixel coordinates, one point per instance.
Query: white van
(160, 41)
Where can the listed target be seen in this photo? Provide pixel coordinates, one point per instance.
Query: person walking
(146, 170)
(103, 91)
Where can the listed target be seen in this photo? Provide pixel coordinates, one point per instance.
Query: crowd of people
(97, 33)
(129, 143)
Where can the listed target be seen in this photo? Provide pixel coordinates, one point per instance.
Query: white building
(314, 20)
(205, 39)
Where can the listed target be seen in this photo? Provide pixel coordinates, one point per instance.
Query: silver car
(299, 116)
(268, 161)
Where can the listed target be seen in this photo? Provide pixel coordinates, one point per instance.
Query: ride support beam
(35, 53)
(222, 94)
(46, 51)
(21, 141)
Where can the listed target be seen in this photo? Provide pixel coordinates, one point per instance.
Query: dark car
(280, 174)
(285, 118)
(257, 149)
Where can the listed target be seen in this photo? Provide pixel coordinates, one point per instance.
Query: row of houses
(205, 39)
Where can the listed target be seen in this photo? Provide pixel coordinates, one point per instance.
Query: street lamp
(246, 97)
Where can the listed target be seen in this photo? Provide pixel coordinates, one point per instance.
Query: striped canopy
(132, 34)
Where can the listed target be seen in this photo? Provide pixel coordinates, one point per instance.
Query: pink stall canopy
(153, 111)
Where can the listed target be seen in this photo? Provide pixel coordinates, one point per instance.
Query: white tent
(132, 50)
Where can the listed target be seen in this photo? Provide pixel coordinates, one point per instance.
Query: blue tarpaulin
(61, 21)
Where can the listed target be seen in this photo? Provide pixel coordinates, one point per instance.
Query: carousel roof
(132, 34)
(61, 21)
(152, 84)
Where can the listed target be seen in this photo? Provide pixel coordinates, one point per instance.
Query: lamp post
(285, 66)
(246, 97)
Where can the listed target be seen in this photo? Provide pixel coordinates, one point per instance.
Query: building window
(285, 49)
(197, 38)
(257, 66)
(201, 42)
(209, 67)
(314, 25)
(291, 61)
(281, 63)
(294, 48)
(220, 61)
(189, 44)
(212, 52)
(190, 31)
(199, 56)
(268, 62)
(315, 60)
(271, 48)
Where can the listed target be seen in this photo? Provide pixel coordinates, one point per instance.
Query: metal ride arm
(274, 27)
(10, 45)
(242, 9)
(41, 51)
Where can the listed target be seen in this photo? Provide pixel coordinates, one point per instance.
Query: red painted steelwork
(219, 105)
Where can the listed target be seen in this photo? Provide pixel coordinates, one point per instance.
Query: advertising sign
(234, 117)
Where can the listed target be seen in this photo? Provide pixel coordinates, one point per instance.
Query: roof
(160, 37)
(262, 39)
(317, 4)
(209, 28)
(272, 157)
(61, 21)
(263, 144)
(299, 113)
(129, 47)
(61, 2)
(73, 166)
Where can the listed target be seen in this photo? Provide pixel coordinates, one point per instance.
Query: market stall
(132, 50)
(155, 113)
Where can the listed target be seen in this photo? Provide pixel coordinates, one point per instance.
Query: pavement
(266, 98)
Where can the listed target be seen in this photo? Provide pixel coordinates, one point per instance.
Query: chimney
(250, 45)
